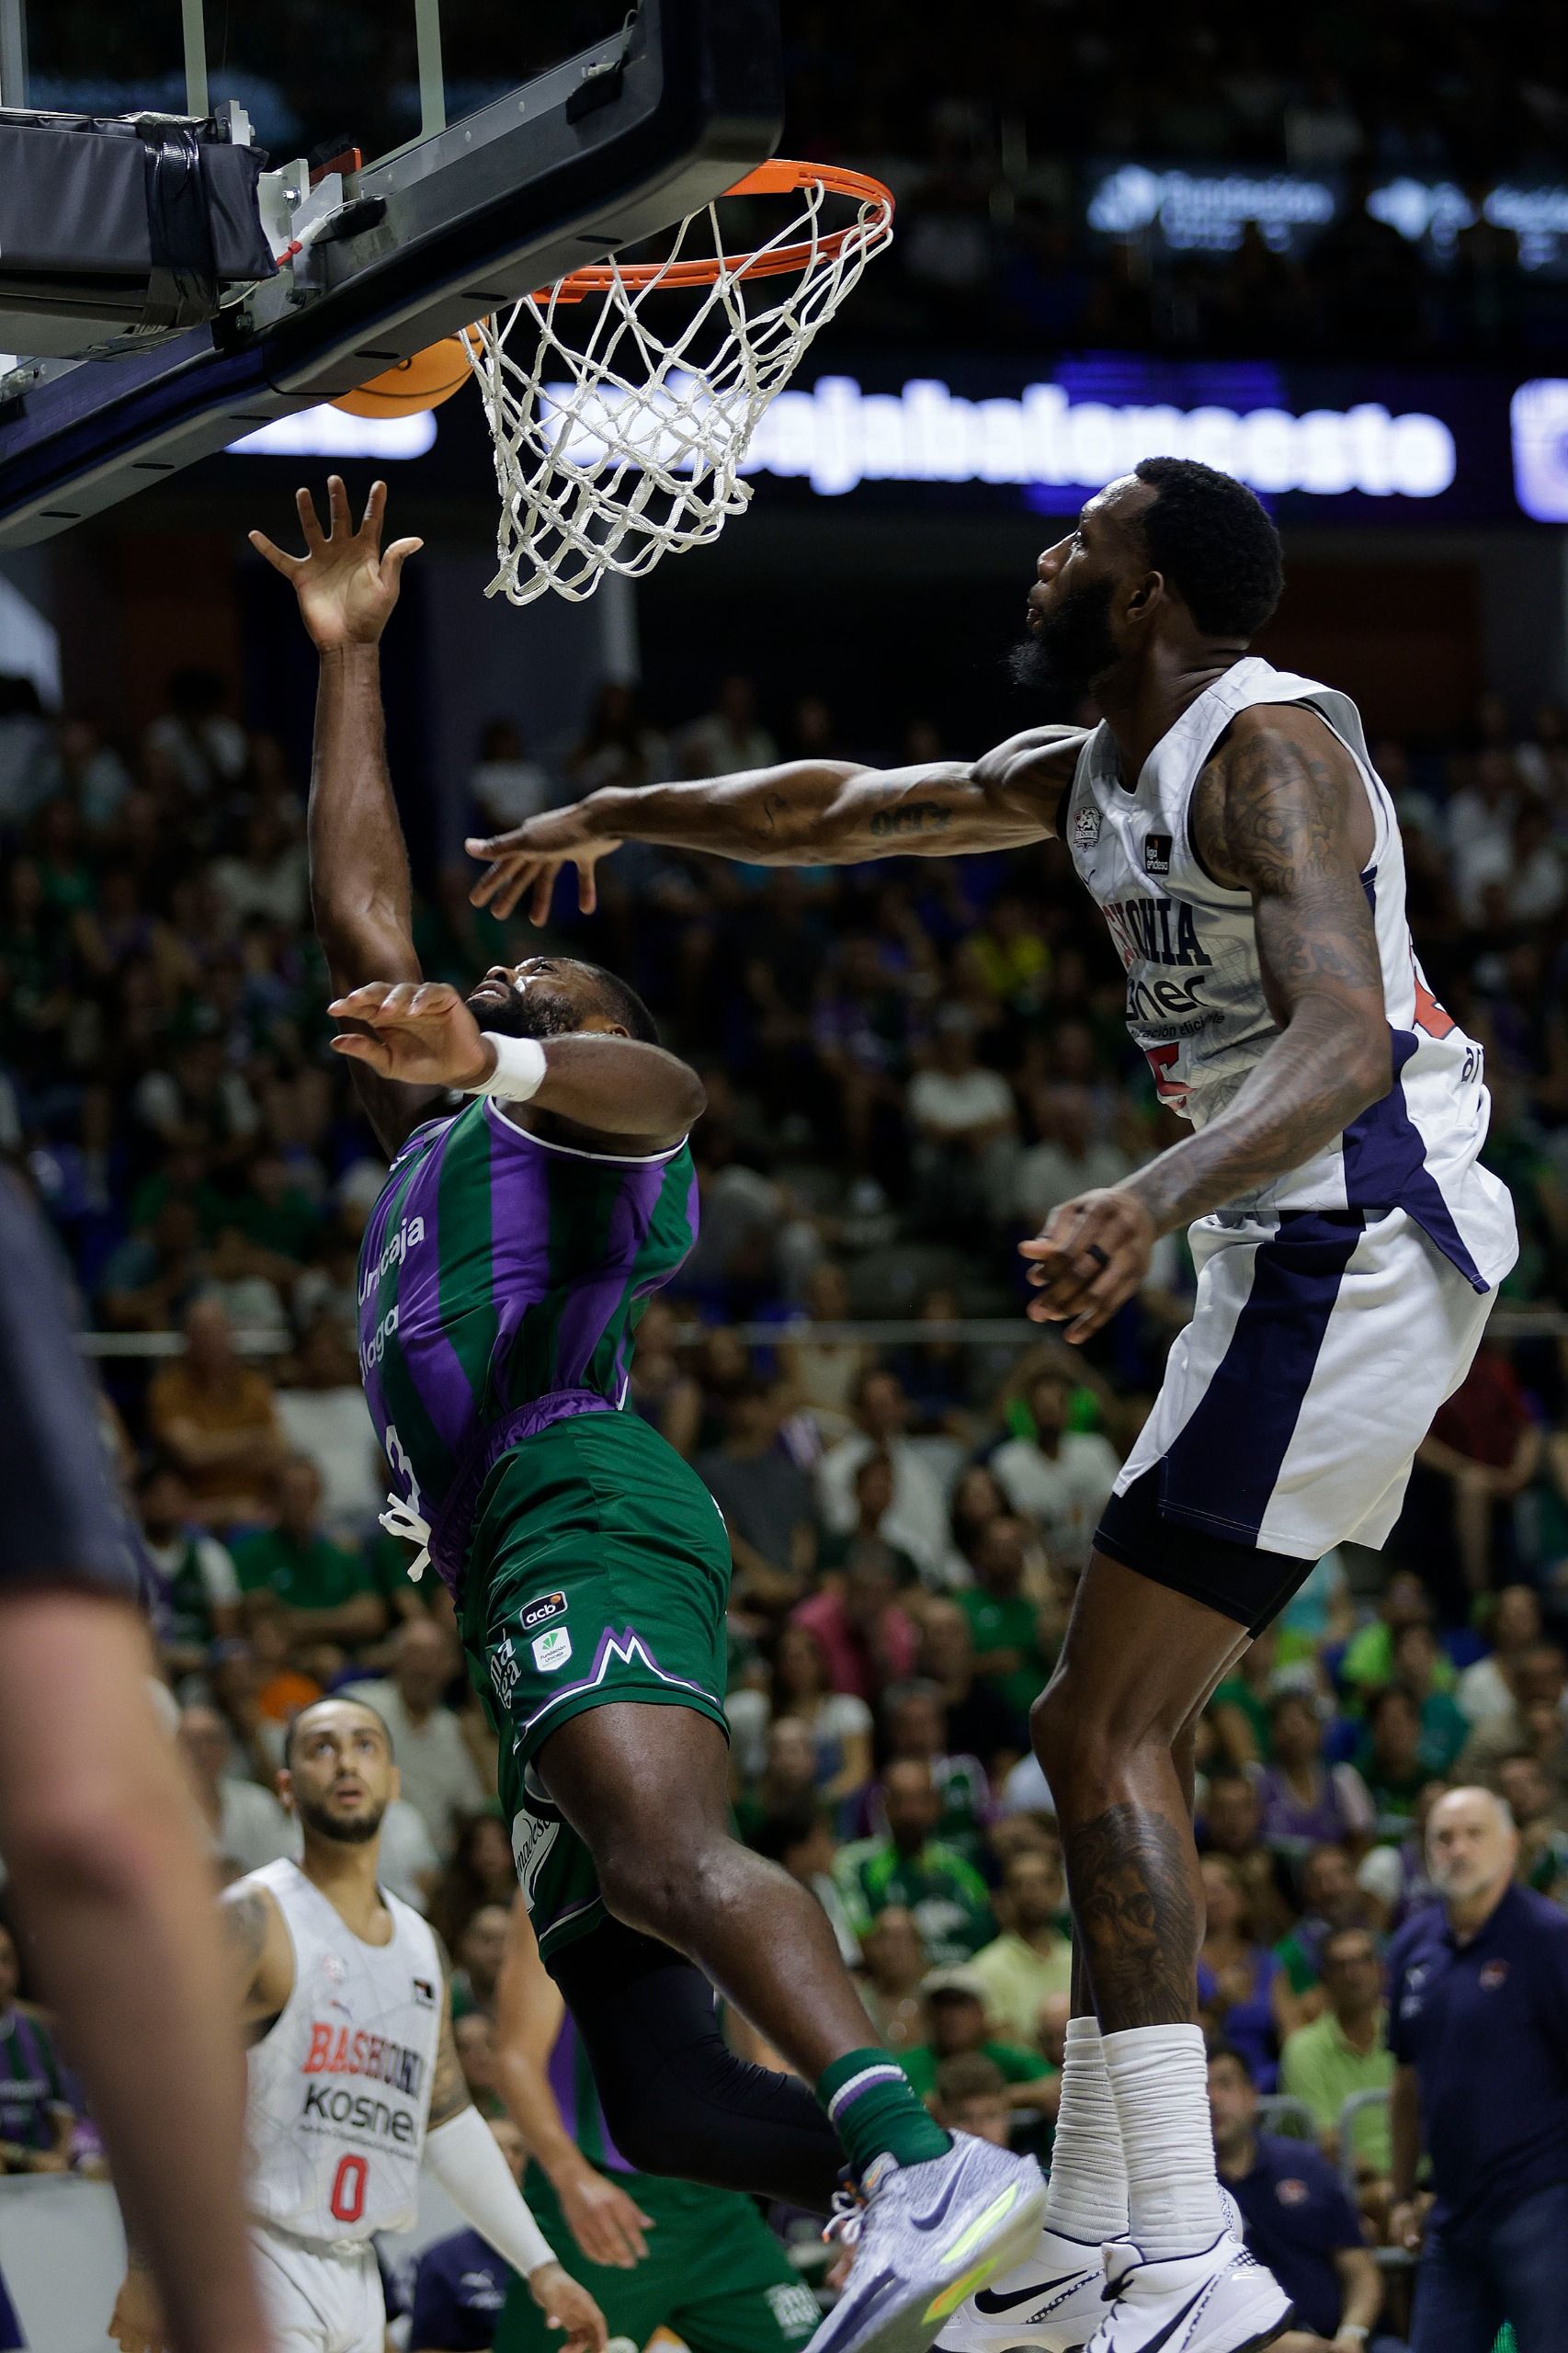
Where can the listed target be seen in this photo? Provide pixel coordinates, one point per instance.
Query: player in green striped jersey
(503, 1270)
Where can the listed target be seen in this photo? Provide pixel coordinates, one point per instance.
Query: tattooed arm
(807, 813)
(257, 1948)
(448, 2087)
(1281, 813)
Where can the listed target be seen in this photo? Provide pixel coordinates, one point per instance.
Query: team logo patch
(1085, 828)
(334, 1968)
(552, 1650)
(794, 2308)
(1494, 1974)
(424, 1992)
(1156, 854)
(1292, 2193)
(539, 1613)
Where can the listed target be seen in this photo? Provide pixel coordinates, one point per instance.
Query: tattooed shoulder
(1279, 804)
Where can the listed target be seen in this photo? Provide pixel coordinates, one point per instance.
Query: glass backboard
(500, 144)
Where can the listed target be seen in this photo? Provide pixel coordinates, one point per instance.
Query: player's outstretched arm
(462, 2154)
(360, 894)
(615, 1087)
(807, 813)
(608, 2225)
(1281, 813)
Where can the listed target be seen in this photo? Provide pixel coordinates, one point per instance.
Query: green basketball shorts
(597, 1569)
(714, 2273)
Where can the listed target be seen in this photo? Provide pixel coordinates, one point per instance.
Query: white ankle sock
(1159, 2078)
(1087, 2196)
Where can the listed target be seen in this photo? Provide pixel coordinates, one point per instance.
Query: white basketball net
(615, 446)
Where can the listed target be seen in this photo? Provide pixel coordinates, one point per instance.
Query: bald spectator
(215, 1418)
(1479, 2027)
(439, 1778)
(245, 1823)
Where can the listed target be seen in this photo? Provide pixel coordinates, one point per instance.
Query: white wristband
(463, 2155)
(520, 1068)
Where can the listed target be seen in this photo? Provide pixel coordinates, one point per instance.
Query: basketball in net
(622, 401)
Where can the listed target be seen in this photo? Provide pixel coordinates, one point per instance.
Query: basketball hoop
(624, 440)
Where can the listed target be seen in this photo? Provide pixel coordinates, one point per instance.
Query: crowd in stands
(908, 1065)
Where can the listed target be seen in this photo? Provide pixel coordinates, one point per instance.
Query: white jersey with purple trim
(1195, 998)
(339, 2091)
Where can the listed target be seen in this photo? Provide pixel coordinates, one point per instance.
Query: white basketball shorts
(319, 2298)
(1321, 1346)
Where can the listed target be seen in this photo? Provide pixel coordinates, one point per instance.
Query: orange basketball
(424, 381)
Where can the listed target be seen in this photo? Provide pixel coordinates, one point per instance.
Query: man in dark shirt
(1478, 2021)
(1299, 2219)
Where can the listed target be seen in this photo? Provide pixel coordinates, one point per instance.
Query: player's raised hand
(529, 857)
(567, 2306)
(419, 1031)
(1093, 1254)
(346, 584)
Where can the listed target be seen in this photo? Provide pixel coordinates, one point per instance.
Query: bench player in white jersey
(1247, 860)
(354, 2080)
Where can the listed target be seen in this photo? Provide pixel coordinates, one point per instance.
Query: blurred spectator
(957, 2026)
(480, 1953)
(474, 2037)
(729, 737)
(873, 1493)
(198, 1594)
(865, 1637)
(1368, 1661)
(204, 748)
(799, 1840)
(1418, 1666)
(914, 1726)
(978, 1721)
(897, 1964)
(766, 1499)
(963, 1120)
(823, 1374)
(1030, 1963)
(661, 1391)
(1298, 2218)
(1345, 2050)
(1536, 1721)
(322, 1589)
(216, 1419)
(324, 1416)
(1058, 1477)
(37, 2115)
(916, 1518)
(1009, 1657)
(1487, 1447)
(438, 1776)
(479, 1870)
(1391, 1757)
(1241, 1987)
(1331, 1900)
(507, 786)
(245, 1823)
(911, 1868)
(1485, 1689)
(1304, 1801)
(1070, 1158)
(839, 1722)
(970, 2096)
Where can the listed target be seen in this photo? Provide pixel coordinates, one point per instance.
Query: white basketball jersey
(339, 2088)
(1195, 1000)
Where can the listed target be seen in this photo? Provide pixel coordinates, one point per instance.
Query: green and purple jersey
(502, 1280)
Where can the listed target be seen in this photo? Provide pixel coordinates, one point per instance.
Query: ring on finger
(1092, 1250)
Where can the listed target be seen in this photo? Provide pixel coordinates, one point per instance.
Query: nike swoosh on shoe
(1154, 2344)
(992, 2299)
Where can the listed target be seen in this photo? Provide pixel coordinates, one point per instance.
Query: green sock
(873, 2109)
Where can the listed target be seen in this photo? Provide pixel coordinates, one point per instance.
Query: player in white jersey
(1349, 1245)
(354, 2080)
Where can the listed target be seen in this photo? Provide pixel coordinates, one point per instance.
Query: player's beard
(352, 1830)
(1071, 646)
(532, 1012)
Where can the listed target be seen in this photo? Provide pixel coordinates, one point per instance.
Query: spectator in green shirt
(1009, 1657)
(324, 1590)
(1417, 1667)
(1367, 1663)
(911, 1868)
(956, 2025)
(1345, 2050)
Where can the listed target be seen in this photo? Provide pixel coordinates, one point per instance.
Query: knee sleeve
(676, 2098)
